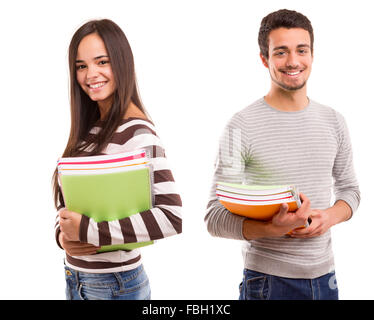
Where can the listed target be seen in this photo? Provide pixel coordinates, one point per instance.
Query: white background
(197, 64)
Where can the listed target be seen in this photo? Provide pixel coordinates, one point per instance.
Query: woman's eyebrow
(96, 58)
(101, 56)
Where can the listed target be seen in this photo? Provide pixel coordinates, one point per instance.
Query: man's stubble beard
(286, 87)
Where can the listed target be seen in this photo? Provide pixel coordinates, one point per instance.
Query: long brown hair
(84, 111)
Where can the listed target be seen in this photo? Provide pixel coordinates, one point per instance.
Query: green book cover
(109, 196)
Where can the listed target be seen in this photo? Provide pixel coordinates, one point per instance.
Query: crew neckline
(288, 112)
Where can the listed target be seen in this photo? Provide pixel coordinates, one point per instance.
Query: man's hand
(69, 224)
(76, 248)
(319, 225)
(285, 221)
(281, 223)
(323, 220)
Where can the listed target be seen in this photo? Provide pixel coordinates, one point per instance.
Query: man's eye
(280, 53)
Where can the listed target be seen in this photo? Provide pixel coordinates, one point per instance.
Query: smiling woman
(107, 117)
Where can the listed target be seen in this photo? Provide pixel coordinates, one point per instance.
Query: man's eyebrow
(280, 47)
(302, 45)
(96, 58)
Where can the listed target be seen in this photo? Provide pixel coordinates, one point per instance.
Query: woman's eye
(80, 66)
(103, 62)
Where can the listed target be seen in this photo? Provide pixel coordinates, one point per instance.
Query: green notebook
(109, 196)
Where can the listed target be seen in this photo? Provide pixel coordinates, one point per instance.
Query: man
(287, 138)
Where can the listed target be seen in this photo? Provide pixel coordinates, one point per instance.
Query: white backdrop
(197, 64)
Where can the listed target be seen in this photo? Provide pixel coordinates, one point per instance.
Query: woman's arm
(160, 221)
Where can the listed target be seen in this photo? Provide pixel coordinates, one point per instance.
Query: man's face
(290, 58)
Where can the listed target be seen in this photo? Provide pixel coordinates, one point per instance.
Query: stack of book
(107, 188)
(257, 202)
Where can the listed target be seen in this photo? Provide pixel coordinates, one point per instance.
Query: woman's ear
(264, 61)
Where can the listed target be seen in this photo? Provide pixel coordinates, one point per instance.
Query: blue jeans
(127, 285)
(261, 286)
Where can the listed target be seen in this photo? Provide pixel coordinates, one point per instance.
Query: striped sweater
(162, 220)
(309, 148)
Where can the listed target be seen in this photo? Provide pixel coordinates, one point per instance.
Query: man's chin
(291, 88)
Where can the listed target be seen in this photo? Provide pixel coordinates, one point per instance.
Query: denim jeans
(261, 286)
(127, 285)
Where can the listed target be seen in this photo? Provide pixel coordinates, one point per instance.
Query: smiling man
(281, 139)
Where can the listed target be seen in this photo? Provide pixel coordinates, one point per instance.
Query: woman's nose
(92, 72)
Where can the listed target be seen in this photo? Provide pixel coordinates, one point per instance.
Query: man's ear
(264, 61)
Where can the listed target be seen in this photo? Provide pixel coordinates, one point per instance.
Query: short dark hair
(282, 19)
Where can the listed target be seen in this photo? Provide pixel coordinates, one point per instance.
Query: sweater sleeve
(162, 220)
(228, 167)
(345, 183)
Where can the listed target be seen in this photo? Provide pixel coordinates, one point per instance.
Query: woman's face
(93, 70)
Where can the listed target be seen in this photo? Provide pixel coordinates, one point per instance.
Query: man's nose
(292, 61)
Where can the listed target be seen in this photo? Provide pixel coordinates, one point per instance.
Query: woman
(108, 117)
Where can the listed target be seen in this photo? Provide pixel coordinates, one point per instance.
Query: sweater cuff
(353, 200)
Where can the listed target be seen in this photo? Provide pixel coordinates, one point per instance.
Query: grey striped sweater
(309, 148)
(162, 220)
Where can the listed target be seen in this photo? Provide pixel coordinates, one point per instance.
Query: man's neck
(287, 100)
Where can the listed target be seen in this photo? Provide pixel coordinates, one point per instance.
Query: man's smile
(292, 73)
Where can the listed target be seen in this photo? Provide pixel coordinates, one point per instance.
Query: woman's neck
(134, 111)
(104, 107)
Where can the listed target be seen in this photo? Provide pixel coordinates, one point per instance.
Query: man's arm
(219, 221)
(222, 223)
(339, 212)
(346, 187)
(347, 192)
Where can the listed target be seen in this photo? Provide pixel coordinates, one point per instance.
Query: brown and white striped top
(310, 149)
(162, 220)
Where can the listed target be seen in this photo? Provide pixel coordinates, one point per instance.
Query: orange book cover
(262, 212)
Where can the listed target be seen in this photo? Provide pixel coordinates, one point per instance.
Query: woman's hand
(69, 224)
(76, 248)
